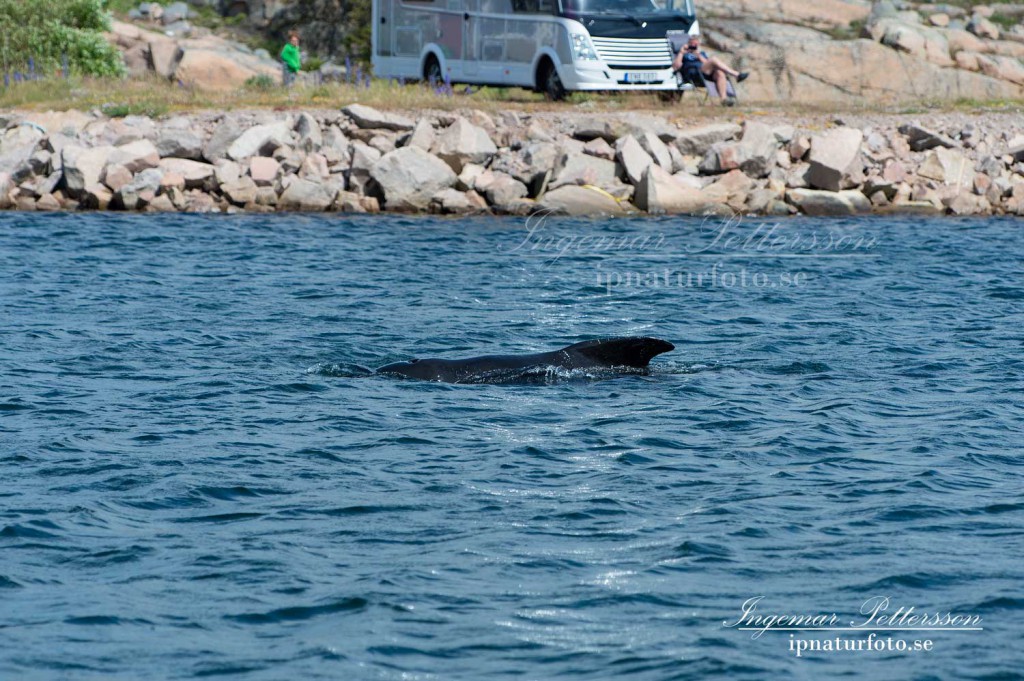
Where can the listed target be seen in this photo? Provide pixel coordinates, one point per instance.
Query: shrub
(312, 64)
(261, 83)
(133, 109)
(47, 31)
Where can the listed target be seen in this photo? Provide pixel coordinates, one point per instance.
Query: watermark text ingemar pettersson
(719, 253)
(879, 626)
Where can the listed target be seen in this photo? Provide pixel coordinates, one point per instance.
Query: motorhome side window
(496, 6)
(533, 6)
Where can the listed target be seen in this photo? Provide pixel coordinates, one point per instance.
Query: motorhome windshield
(626, 7)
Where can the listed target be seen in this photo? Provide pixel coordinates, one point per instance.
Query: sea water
(201, 476)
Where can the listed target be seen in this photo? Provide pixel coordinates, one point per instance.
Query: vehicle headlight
(582, 48)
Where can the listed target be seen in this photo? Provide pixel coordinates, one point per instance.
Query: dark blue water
(199, 479)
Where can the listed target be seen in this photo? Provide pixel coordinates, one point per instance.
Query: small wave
(552, 375)
(703, 551)
(232, 493)
(27, 532)
(342, 370)
(999, 603)
(1006, 293)
(798, 368)
(100, 620)
(221, 518)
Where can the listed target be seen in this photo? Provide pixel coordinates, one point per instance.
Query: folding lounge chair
(690, 76)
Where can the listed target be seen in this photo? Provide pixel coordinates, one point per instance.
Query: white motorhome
(552, 46)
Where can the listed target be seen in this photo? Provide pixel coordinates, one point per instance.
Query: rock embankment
(360, 159)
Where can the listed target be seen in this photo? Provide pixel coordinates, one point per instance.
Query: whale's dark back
(634, 352)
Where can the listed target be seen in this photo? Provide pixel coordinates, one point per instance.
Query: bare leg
(721, 82)
(718, 64)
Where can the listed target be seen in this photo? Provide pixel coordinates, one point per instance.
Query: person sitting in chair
(713, 68)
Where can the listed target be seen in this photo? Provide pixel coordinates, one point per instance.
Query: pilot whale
(634, 352)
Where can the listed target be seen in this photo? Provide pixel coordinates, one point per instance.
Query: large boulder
(216, 148)
(264, 170)
(632, 157)
(95, 196)
(136, 156)
(174, 12)
(116, 176)
(197, 175)
(922, 139)
(180, 143)
(311, 137)
(915, 39)
(165, 55)
(657, 149)
(367, 117)
(592, 127)
(422, 135)
(660, 192)
(500, 189)
(578, 168)
(83, 167)
(697, 141)
(582, 201)
(531, 164)
(835, 160)
(455, 202)
(17, 146)
(363, 159)
(983, 28)
(948, 166)
(305, 196)
(261, 140)
(461, 143)
(217, 70)
(409, 177)
(732, 189)
(816, 202)
(754, 154)
(136, 193)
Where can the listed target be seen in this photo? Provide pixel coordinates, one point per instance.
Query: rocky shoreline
(361, 160)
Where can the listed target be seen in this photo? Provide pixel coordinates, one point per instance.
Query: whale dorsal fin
(635, 351)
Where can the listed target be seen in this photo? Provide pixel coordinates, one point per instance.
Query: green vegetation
(120, 6)
(261, 83)
(312, 63)
(39, 35)
(1004, 21)
(852, 31)
(134, 109)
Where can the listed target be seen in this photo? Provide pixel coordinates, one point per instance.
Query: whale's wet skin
(611, 354)
(203, 476)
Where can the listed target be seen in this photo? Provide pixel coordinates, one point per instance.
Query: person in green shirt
(292, 58)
